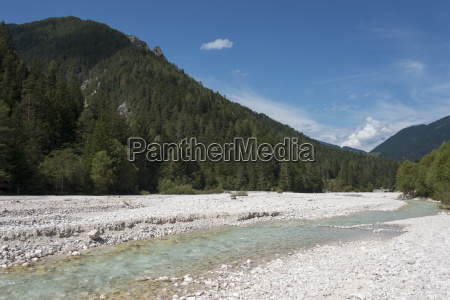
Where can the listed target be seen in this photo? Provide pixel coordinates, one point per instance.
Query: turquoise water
(115, 268)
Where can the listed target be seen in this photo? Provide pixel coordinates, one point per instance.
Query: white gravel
(32, 227)
(414, 265)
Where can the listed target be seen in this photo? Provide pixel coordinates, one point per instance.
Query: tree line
(65, 131)
(430, 177)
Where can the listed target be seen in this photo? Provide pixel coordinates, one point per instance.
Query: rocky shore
(413, 265)
(32, 227)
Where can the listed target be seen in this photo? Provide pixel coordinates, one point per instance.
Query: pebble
(163, 278)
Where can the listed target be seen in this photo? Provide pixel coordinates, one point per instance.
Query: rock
(76, 253)
(163, 278)
(94, 234)
(158, 52)
(358, 296)
(209, 282)
(34, 259)
(143, 278)
(411, 261)
(408, 196)
(137, 42)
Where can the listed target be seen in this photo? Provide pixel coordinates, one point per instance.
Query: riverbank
(413, 265)
(32, 227)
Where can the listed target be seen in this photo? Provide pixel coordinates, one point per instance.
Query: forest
(66, 112)
(429, 178)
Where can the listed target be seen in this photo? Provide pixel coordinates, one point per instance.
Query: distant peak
(158, 52)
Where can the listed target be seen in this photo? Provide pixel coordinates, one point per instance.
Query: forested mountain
(354, 150)
(343, 148)
(414, 142)
(69, 106)
(75, 45)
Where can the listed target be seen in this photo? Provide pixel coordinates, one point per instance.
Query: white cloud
(336, 107)
(371, 134)
(239, 72)
(294, 117)
(217, 45)
(352, 96)
(411, 66)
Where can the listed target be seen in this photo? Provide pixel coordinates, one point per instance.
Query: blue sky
(345, 72)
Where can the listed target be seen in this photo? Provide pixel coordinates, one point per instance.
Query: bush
(167, 186)
(217, 190)
(239, 194)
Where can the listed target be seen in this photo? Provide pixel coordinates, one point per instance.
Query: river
(113, 270)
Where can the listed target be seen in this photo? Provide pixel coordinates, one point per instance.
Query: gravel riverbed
(32, 227)
(414, 265)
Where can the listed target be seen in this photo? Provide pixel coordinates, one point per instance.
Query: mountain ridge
(130, 91)
(414, 142)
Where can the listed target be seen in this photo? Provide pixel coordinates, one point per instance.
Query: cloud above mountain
(218, 44)
(366, 137)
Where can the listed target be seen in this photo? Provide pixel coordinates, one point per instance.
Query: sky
(351, 73)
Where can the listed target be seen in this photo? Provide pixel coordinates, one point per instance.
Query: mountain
(79, 89)
(329, 145)
(354, 150)
(414, 142)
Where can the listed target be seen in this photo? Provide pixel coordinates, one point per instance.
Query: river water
(113, 270)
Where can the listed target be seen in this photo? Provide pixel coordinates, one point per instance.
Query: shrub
(167, 186)
(239, 194)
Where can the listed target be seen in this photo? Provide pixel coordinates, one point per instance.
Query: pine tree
(102, 172)
(5, 138)
(63, 168)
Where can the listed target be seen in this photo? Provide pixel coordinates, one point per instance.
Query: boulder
(94, 234)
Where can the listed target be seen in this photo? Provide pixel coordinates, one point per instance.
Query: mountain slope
(414, 142)
(74, 44)
(354, 150)
(130, 91)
